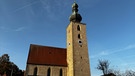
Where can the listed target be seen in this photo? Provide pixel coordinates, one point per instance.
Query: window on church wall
(78, 28)
(61, 72)
(49, 72)
(35, 71)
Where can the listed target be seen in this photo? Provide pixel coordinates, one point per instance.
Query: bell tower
(77, 48)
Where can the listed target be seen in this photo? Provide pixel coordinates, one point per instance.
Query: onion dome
(75, 16)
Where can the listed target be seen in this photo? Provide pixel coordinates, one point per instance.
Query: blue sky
(110, 29)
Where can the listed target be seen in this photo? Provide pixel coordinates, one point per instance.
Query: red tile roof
(45, 55)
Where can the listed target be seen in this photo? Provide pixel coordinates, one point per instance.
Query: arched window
(49, 72)
(78, 28)
(35, 71)
(79, 36)
(61, 72)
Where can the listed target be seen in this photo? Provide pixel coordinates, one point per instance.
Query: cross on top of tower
(75, 16)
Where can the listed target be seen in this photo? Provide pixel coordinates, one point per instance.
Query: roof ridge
(47, 46)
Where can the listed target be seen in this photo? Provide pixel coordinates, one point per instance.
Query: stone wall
(77, 50)
(42, 70)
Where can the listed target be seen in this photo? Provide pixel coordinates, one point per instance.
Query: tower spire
(75, 16)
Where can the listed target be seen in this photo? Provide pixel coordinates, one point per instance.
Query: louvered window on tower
(78, 28)
(35, 71)
(79, 36)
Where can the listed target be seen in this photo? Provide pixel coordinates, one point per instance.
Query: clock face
(80, 42)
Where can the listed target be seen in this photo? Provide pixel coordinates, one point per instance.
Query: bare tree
(103, 65)
(129, 73)
(116, 72)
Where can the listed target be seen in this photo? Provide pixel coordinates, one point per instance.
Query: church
(70, 61)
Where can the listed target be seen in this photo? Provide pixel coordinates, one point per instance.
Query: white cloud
(123, 49)
(27, 5)
(127, 65)
(3, 28)
(19, 29)
(102, 53)
(7, 29)
(108, 52)
(130, 47)
(51, 7)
